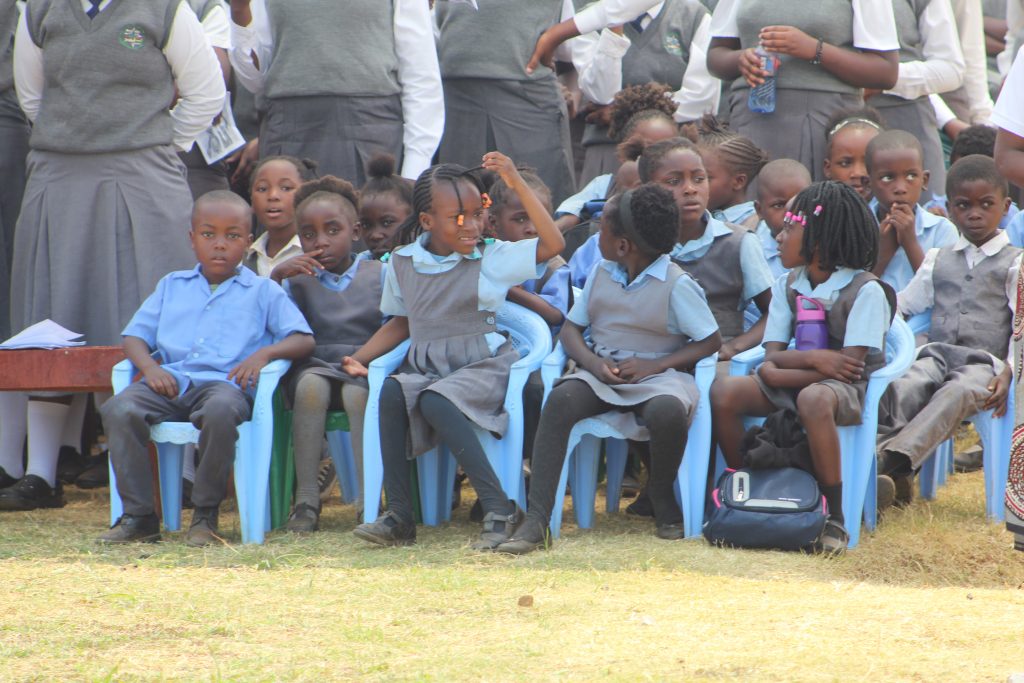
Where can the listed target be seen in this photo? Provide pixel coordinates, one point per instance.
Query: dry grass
(935, 594)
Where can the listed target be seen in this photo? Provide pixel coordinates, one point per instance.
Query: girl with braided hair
(830, 243)
(443, 289)
(732, 162)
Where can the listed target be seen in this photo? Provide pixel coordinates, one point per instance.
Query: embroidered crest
(673, 46)
(132, 37)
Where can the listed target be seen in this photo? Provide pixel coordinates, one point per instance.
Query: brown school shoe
(904, 489)
(886, 492)
(203, 530)
(133, 529)
(498, 528)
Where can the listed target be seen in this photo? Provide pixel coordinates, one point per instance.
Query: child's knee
(312, 392)
(225, 408)
(816, 402)
(665, 413)
(726, 392)
(118, 411)
(354, 399)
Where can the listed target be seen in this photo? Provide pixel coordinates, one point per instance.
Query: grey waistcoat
(970, 304)
(496, 41)
(107, 86)
(330, 47)
(719, 273)
(661, 53)
(830, 20)
(908, 15)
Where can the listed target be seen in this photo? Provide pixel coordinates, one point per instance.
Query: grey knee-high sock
(312, 396)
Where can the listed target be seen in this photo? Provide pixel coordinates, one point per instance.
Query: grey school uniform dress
(917, 117)
(490, 101)
(850, 396)
(658, 54)
(332, 87)
(14, 132)
(106, 208)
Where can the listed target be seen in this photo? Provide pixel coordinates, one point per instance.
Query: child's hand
(836, 365)
(727, 351)
(636, 369)
(1000, 391)
(247, 374)
(161, 381)
(303, 264)
(605, 370)
(354, 367)
(497, 162)
(751, 68)
(788, 40)
(902, 221)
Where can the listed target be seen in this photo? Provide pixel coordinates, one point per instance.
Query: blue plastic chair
(996, 435)
(531, 336)
(252, 456)
(583, 455)
(857, 443)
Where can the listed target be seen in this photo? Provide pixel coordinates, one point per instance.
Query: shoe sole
(153, 538)
(380, 540)
(16, 506)
(525, 549)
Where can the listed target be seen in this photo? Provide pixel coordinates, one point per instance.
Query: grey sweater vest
(107, 86)
(720, 274)
(662, 52)
(632, 323)
(908, 14)
(8, 25)
(330, 47)
(341, 321)
(830, 20)
(970, 304)
(495, 42)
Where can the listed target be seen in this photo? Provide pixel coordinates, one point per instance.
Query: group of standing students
(101, 97)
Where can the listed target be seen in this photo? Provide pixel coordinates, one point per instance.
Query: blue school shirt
(771, 250)
(503, 266)
(1015, 230)
(595, 189)
(555, 291)
(735, 214)
(933, 232)
(583, 261)
(203, 335)
(869, 317)
(688, 311)
(942, 202)
(757, 277)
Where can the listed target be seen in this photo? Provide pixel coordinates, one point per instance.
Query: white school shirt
(607, 13)
(874, 25)
(943, 66)
(217, 27)
(418, 73)
(601, 75)
(265, 263)
(1009, 110)
(970, 25)
(194, 67)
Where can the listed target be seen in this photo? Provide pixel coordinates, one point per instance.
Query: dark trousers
(216, 409)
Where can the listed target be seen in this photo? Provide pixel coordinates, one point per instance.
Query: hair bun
(381, 166)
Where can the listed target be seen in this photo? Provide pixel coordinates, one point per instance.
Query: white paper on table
(43, 335)
(222, 138)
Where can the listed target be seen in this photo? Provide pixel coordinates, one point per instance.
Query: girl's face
(328, 226)
(682, 172)
(790, 240)
(720, 181)
(845, 164)
(380, 216)
(273, 193)
(443, 220)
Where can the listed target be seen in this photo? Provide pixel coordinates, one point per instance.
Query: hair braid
(842, 233)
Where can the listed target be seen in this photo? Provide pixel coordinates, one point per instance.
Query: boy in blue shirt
(215, 327)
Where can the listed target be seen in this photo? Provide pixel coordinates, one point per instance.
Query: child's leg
(216, 409)
(731, 399)
(394, 434)
(312, 397)
(901, 402)
(126, 421)
(354, 399)
(71, 435)
(533, 398)
(13, 430)
(665, 417)
(45, 425)
(816, 405)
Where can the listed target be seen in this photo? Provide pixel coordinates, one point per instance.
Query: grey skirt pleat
(95, 235)
(340, 133)
(14, 133)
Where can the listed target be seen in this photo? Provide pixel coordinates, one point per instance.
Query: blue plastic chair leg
(340, 446)
(171, 462)
(116, 507)
(995, 440)
(928, 478)
(616, 453)
(584, 480)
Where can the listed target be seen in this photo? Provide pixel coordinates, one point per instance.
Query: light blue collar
(243, 275)
(658, 269)
(715, 228)
(419, 254)
(736, 213)
(826, 290)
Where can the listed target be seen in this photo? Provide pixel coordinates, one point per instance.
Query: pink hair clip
(817, 210)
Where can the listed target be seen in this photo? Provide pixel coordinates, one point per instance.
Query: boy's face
(773, 194)
(845, 164)
(897, 177)
(328, 227)
(976, 207)
(221, 233)
(511, 222)
(380, 216)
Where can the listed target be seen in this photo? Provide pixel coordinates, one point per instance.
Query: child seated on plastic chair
(830, 241)
(215, 327)
(649, 325)
(971, 290)
(339, 294)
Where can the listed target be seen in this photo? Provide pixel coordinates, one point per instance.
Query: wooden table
(74, 369)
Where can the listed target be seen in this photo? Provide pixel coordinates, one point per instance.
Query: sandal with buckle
(498, 528)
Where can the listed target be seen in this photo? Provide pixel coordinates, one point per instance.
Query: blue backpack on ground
(780, 508)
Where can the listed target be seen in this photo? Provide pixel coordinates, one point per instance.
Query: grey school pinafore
(850, 396)
(448, 351)
(14, 132)
(634, 324)
(720, 275)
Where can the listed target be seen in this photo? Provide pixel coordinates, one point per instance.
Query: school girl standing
(342, 80)
(828, 51)
(443, 290)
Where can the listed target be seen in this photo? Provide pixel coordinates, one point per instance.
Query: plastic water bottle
(762, 98)
(811, 328)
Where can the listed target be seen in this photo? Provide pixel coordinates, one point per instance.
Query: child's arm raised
(390, 335)
(576, 347)
(684, 360)
(551, 243)
(294, 346)
(158, 379)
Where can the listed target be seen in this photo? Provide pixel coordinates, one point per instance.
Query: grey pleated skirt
(340, 133)
(95, 235)
(14, 132)
(797, 128)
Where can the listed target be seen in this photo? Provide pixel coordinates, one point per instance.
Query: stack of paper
(44, 335)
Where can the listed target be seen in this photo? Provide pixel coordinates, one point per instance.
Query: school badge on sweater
(132, 37)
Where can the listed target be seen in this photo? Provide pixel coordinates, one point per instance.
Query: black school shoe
(70, 464)
(31, 493)
(527, 537)
(96, 475)
(498, 528)
(203, 530)
(304, 519)
(6, 479)
(133, 529)
(389, 529)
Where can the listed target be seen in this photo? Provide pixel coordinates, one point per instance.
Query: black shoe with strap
(530, 535)
(304, 519)
(498, 527)
(203, 530)
(133, 529)
(388, 529)
(30, 493)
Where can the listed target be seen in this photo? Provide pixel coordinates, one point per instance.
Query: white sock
(45, 425)
(12, 432)
(72, 435)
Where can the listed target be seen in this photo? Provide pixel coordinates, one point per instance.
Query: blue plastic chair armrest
(383, 366)
(920, 323)
(121, 375)
(270, 376)
(745, 362)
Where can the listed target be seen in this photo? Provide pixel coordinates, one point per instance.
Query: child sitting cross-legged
(215, 327)
(971, 290)
(829, 242)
